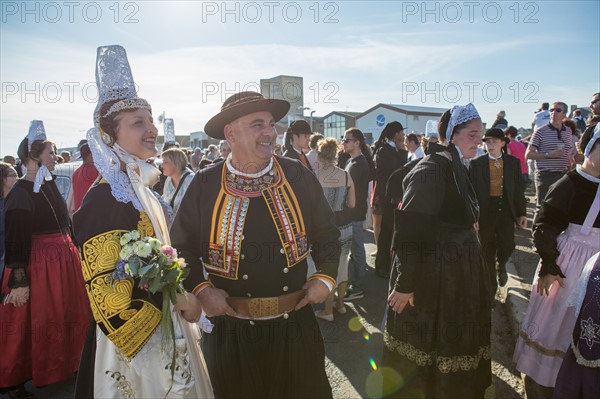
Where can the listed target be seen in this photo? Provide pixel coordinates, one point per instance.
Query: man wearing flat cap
(298, 135)
(245, 226)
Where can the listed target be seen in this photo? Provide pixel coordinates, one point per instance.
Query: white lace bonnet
(460, 114)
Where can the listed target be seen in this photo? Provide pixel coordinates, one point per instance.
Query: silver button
(243, 256)
(285, 270)
(285, 288)
(242, 237)
(286, 316)
(251, 322)
(245, 277)
(282, 251)
(249, 294)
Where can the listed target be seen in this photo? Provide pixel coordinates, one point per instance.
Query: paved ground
(354, 341)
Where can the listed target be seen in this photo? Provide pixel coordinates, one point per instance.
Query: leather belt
(265, 308)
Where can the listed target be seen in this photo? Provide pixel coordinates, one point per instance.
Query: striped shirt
(547, 139)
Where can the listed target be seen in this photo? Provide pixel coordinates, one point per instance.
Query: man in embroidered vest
(245, 226)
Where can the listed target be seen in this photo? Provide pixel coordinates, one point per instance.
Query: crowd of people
(268, 230)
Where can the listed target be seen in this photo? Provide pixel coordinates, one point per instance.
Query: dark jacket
(293, 154)
(513, 191)
(387, 160)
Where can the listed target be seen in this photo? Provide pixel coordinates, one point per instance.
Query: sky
(188, 56)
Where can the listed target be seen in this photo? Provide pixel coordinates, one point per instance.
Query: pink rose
(169, 252)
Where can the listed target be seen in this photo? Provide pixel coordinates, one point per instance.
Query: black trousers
(280, 358)
(383, 260)
(497, 233)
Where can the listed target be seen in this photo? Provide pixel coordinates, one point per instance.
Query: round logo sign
(380, 120)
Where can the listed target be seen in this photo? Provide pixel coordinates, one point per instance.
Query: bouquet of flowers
(158, 269)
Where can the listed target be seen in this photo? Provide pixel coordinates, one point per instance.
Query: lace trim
(444, 364)
(109, 165)
(582, 360)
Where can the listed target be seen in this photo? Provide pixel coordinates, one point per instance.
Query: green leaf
(134, 265)
(155, 285)
(172, 276)
(145, 269)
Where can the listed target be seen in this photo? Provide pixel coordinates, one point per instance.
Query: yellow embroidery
(145, 226)
(136, 331)
(443, 363)
(127, 323)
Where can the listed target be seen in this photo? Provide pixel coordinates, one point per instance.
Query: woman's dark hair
(110, 123)
(5, 168)
(34, 153)
(511, 132)
(388, 133)
(568, 122)
(356, 134)
(443, 126)
(287, 142)
(413, 137)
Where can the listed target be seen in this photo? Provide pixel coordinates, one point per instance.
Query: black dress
(441, 346)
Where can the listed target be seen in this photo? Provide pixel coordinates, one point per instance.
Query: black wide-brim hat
(299, 127)
(497, 134)
(241, 104)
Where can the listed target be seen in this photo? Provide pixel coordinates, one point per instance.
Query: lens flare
(373, 364)
(384, 382)
(355, 324)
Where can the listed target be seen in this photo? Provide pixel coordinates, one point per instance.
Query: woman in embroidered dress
(437, 335)
(338, 188)
(46, 306)
(566, 234)
(124, 355)
(179, 177)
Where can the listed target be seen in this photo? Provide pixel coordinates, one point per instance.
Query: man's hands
(316, 292)
(522, 222)
(214, 302)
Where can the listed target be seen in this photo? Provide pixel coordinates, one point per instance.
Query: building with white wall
(413, 118)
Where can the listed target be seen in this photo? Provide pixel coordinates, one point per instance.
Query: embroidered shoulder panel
(229, 216)
(127, 322)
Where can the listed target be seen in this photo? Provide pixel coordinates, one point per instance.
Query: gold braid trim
(127, 323)
(582, 360)
(444, 364)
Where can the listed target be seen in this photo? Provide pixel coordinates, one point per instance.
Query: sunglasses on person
(346, 140)
(559, 110)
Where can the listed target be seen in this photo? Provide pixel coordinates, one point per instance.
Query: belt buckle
(263, 307)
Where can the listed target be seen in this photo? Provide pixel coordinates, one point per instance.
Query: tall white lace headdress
(115, 82)
(169, 130)
(38, 132)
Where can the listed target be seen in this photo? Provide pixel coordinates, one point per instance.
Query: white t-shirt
(540, 119)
